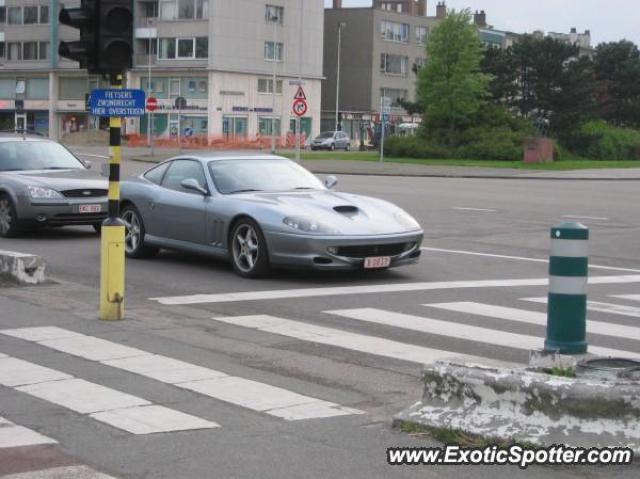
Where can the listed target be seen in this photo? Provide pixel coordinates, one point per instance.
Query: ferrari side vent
(346, 209)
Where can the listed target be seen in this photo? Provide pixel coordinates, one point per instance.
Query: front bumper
(60, 212)
(312, 252)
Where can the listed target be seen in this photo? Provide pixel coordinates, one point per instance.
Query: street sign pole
(382, 130)
(300, 56)
(112, 241)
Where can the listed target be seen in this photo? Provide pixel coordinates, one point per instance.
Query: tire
(248, 249)
(9, 226)
(333, 147)
(134, 246)
(347, 147)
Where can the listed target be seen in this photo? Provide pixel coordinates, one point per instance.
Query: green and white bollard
(567, 305)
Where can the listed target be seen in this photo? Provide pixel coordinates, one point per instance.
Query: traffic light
(84, 19)
(106, 35)
(115, 35)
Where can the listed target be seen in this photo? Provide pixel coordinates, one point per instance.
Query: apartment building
(219, 55)
(382, 48)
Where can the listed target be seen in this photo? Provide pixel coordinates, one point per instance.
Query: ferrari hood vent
(346, 209)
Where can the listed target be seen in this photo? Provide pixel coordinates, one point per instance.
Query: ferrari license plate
(90, 208)
(377, 262)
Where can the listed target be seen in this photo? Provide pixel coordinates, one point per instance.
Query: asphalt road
(476, 230)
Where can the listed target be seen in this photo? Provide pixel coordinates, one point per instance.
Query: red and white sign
(152, 104)
(377, 262)
(299, 107)
(300, 95)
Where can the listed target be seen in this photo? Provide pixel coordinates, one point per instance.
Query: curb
(20, 268)
(442, 175)
(527, 406)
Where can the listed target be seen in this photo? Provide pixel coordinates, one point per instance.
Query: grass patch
(561, 165)
(455, 436)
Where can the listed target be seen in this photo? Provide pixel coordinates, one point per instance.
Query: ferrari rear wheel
(9, 227)
(249, 254)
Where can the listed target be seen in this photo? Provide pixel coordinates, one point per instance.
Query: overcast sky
(608, 20)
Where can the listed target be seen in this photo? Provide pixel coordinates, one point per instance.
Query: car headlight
(406, 220)
(308, 226)
(40, 193)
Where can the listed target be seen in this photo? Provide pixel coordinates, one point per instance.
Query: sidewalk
(356, 167)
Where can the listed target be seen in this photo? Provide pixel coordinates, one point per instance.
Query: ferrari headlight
(37, 192)
(307, 225)
(406, 220)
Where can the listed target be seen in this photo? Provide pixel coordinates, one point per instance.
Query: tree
(500, 64)
(451, 86)
(617, 71)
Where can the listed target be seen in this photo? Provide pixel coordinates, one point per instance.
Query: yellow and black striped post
(113, 230)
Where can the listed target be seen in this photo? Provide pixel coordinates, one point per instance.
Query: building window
(393, 64)
(394, 32)
(30, 51)
(394, 94)
(3, 14)
(420, 62)
(2, 51)
(30, 15)
(422, 34)
(265, 85)
(184, 9)
(273, 51)
(43, 53)
(15, 15)
(14, 51)
(274, 14)
(392, 6)
(44, 14)
(184, 48)
(265, 124)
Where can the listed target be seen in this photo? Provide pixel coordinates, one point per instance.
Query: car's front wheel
(248, 248)
(134, 246)
(9, 227)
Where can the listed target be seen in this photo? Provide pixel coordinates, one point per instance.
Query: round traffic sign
(299, 107)
(152, 104)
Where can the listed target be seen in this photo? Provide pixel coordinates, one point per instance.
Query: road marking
(632, 297)
(522, 258)
(342, 339)
(63, 472)
(126, 412)
(485, 210)
(601, 307)
(578, 217)
(373, 289)
(12, 435)
(459, 331)
(533, 317)
(209, 382)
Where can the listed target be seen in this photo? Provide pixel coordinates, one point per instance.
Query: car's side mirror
(193, 185)
(330, 182)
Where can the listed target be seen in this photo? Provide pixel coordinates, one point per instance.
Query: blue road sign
(385, 117)
(117, 102)
(188, 132)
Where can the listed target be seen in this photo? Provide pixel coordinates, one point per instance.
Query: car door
(183, 211)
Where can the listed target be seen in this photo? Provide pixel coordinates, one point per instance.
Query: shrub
(600, 141)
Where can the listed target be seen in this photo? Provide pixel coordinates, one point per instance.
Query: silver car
(331, 140)
(44, 184)
(262, 212)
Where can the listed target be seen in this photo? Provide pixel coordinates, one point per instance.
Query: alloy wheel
(132, 236)
(6, 216)
(245, 248)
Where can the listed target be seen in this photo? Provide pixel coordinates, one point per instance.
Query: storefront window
(264, 126)
(73, 88)
(37, 89)
(233, 126)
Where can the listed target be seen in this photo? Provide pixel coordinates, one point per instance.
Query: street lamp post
(341, 25)
(274, 20)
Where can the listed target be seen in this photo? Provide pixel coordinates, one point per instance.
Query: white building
(219, 55)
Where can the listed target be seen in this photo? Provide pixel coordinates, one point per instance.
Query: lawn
(573, 164)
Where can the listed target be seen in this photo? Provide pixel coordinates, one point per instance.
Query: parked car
(331, 140)
(262, 212)
(43, 184)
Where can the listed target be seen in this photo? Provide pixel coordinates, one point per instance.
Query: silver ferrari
(262, 212)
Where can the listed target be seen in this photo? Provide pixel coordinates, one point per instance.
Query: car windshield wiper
(248, 190)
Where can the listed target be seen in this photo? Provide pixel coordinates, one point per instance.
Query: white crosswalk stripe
(631, 297)
(601, 307)
(342, 339)
(533, 317)
(123, 411)
(65, 472)
(246, 393)
(460, 331)
(13, 435)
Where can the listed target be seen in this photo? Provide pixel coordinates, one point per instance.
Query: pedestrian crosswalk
(368, 334)
(601, 307)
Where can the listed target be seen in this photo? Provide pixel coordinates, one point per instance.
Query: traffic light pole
(112, 246)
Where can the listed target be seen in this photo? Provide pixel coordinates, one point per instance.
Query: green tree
(451, 86)
(500, 64)
(617, 70)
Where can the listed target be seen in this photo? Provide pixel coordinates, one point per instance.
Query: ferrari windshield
(36, 155)
(239, 176)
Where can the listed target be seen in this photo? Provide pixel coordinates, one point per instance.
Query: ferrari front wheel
(249, 254)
